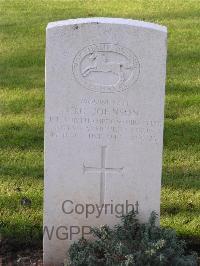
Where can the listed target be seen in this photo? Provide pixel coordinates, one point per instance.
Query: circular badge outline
(77, 74)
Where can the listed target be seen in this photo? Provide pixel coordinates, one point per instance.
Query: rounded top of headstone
(102, 20)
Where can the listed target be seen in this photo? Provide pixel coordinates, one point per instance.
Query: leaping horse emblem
(100, 63)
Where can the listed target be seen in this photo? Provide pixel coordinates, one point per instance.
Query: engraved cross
(103, 170)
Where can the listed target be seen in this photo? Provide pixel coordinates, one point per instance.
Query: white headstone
(105, 86)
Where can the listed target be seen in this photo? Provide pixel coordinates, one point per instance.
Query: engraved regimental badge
(106, 68)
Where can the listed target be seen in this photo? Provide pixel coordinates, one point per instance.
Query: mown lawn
(22, 47)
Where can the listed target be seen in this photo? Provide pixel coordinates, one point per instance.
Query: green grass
(22, 49)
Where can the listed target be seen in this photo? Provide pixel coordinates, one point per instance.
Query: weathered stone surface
(105, 85)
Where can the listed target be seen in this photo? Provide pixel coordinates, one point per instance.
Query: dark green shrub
(131, 243)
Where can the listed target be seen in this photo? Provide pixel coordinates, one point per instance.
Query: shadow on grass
(181, 89)
(23, 70)
(21, 235)
(21, 135)
(18, 102)
(21, 226)
(181, 134)
(24, 169)
(188, 210)
(180, 179)
(182, 59)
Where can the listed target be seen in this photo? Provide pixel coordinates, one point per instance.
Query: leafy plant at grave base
(131, 243)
